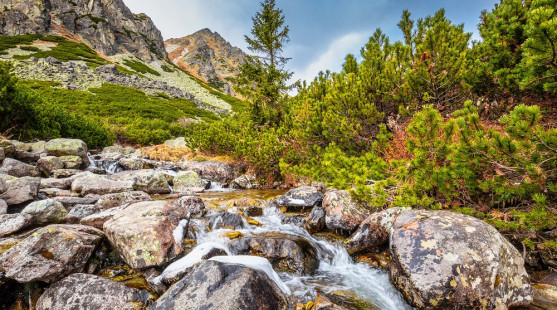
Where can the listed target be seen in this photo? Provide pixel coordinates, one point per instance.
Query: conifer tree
(263, 76)
(350, 64)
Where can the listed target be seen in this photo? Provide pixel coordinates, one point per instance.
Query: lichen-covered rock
(11, 223)
(245, 182)
(64, 183)
(81, 211)
(374, 231)
(133, 163)
(2, 155)
(46, 211)
(71, 162)
(342, 212)
(304, 197)
(194, 206)
(48, 164)
(449, 260)
(315, 222)
(50, 253)
(65, 173)
(110, 201)
(3, 185)
(146, 180)
(188, 181)
(143, 233)
(214, 285)
(100, 185)
(214, 171)
(90, 292)
(21, 190)
(8, 148)
(285, 252)
(68, 147)
(19, 169)
(70, 202)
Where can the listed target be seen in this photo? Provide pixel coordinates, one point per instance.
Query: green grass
(95, 19)
(64, 51)
(133, 115)
(140, 67)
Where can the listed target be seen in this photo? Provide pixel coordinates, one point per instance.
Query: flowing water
(338, 275)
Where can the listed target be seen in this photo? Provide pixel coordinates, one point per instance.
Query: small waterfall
(337, 271)
(110, 166)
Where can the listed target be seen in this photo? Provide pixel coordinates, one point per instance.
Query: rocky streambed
(117, 230)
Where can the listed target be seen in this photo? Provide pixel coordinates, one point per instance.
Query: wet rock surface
(304, 197)
(446, 260)
(214, 285)
(84, 291)
(50, 253)
(194, 206)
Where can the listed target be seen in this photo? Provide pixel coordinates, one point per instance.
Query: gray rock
(225, 220)
(79, 212)
(315, 222)
(19, 169)
(194, 206)
(71, 162)
(373, 231)
(98, 219)
(70, 202)
(65, 173)
(214, 285)
(2, 155)
(100, 185)
(110, 201)
(90, 292)
(21, 190)
(146, 180)
(343, 213)
(48, 164)
(301, 198)
(245, 182)
(50, 253)
(46, 211)
(64, 183)
(3, 185)
(133, 163)
(67, 147)
(445, 260)
(11, 223)
(214, 171)
(8, 148)
(3, 207)
(188, 181)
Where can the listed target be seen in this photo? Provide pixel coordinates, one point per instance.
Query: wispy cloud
(333, 57)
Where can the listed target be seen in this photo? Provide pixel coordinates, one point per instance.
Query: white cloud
(333, 57)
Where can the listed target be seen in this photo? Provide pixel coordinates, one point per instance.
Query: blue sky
(322, 32)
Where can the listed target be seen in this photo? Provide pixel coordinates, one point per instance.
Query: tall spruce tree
(263, 78)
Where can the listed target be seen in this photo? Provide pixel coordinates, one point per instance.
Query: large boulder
(144, 233)
(285, 252)
(46, 211)
(215, 285)
(48, 164)
(19, 169)
(100, 185)
(225, 220)
(50, 253)
(374, 231)
(21, 190)
(214, 171)
(305, 197)
(446, 260)
(342, 212)
(8, 148)
(315, 222)
(146, 180)
(85, 291)
(64, 183)
(67, 147)
(194, 206)
(188, 181)
(11, 223)
(110, 201)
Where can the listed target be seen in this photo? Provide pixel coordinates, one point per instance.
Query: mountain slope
(208, 56)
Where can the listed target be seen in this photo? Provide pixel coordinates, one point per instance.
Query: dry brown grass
(167, 153)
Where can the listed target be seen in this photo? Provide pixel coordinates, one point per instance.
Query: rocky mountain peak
(108, 26)
(207, 55)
